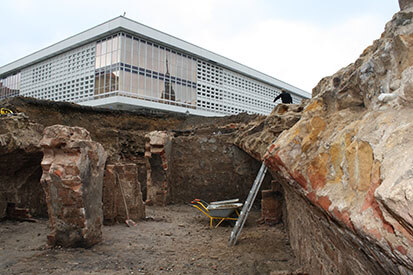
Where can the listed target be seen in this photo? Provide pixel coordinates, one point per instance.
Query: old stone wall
(324, 246)
(122, 134)
(211, 168)
(125, 174)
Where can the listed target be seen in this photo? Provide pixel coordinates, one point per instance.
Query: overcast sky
(298, 42)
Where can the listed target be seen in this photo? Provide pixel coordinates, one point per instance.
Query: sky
(298, 42)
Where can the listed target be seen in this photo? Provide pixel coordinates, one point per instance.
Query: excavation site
(320, 187)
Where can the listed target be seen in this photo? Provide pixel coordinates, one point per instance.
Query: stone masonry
(157, 155)
(272, 204)
(72, 179)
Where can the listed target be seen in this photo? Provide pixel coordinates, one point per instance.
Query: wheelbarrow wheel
(233, 222)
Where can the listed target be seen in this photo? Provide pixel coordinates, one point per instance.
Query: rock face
(404, 4)
(346, 165)
(72, 179)
(256, 135)
(125, 174)
(20, 171)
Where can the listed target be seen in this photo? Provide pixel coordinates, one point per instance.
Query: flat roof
(122, 23)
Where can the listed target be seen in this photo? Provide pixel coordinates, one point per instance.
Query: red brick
(401, 249)
(324, 202)
(299, 178)
(344, 217)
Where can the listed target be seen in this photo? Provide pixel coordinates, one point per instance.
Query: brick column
(271, 205)
(72, 179)
(157, 155)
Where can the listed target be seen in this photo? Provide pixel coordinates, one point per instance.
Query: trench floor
(175, 240)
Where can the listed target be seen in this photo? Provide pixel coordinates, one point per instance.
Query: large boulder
(73, 167)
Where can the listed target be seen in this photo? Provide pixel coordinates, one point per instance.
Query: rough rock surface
(125, 174)
(254, 137)
(349, 158)
(404, 4)
(20, 171)
(72, 179)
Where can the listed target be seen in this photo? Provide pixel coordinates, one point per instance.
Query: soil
(176, 239)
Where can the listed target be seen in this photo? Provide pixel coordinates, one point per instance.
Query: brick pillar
(157, 155)
(72, 179)
(271, 205)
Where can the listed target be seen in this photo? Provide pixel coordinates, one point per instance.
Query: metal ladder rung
(247, 205)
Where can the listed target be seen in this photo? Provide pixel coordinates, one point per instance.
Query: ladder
(247, 206)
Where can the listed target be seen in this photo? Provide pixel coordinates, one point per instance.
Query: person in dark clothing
(285, 97)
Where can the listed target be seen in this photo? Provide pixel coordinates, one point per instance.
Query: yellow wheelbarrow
(5, 112)
(219, 210)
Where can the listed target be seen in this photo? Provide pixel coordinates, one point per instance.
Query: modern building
(123, 64)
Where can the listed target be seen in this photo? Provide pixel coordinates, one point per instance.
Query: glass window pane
(115, 43)
(141, 84)
(109, 45)
(128, 53)
(115, 57)
(149, 57)
(162, 58)
(98, 48)
(108, 58)
(127, 80)
(121, 51)
(148, 86)
(178, 66)
(172, 64)
(134, 83)
(142, 54)
(103, 60)
(103, 48)
(155, 59)
(135, 53)
(116, 80)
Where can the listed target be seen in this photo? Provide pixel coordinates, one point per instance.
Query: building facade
(122, 64)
